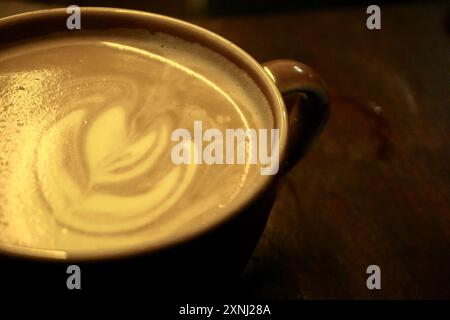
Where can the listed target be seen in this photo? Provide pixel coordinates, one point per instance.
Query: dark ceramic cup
(213, 255)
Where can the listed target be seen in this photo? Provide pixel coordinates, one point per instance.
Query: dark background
(375, 188)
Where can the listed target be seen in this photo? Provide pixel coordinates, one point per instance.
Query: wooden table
(375, 188)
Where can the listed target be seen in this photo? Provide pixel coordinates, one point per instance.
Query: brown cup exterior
(306, 100)
(210, 259)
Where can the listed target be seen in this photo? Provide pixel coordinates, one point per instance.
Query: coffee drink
(85, 139)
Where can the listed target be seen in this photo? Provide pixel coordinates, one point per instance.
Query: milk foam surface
(85, 128)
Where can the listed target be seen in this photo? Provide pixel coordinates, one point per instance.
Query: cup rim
(223, 47)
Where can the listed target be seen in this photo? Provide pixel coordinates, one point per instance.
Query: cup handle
(306, 99)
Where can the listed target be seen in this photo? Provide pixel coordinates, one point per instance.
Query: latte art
(115, 159)
(85, 143)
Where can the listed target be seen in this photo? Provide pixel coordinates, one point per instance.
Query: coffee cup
(90, 103)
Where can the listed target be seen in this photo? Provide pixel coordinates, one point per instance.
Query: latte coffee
(85, 139)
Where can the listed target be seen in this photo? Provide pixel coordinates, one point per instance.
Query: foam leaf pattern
(114, 156)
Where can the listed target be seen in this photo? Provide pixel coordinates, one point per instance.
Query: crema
(85, 125)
